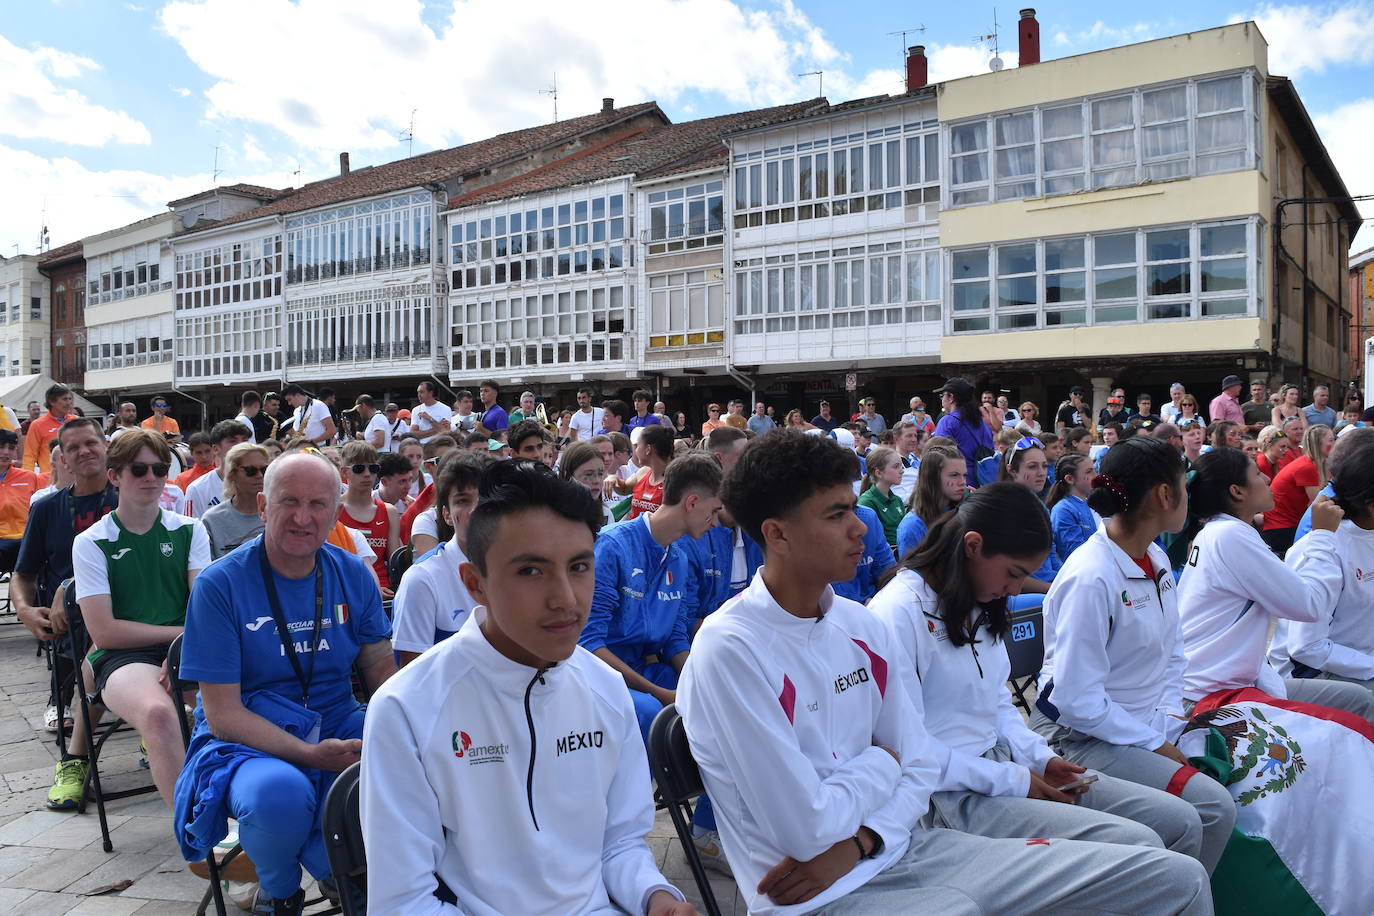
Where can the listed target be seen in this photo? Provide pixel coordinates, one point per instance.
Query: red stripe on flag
(1180, 779)
(1255, 695)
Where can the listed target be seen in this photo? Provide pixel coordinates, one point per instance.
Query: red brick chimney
(916, 68)
(1028, 36)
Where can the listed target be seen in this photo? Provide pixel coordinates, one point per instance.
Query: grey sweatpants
(1111, 811)
(1213, 807)
(950, 873)
(1335, 691)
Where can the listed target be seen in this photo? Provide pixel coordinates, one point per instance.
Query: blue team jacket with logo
(645, 596)
(712, 558)
(876, 561)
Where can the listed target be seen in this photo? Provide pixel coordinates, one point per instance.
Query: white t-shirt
(586, 423)
(432, 602)
(173, 498)
(466, 422)
(310, 419)
(252, 433)
(426, 522)
(424, 418)
(378, 424)
(205, 491)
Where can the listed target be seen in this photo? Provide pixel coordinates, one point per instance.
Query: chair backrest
(670, 758)
(396, 565)
(343, 841)
(78, 638)
(1025, 642)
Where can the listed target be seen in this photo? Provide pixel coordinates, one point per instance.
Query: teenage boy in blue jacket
(645, 589)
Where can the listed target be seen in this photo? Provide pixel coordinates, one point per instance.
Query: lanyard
(287, 643)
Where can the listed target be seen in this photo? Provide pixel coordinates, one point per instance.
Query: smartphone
(1082, 782)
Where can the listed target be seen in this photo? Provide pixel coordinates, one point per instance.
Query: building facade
(1110, 216)
(65, 268)
(24, 317)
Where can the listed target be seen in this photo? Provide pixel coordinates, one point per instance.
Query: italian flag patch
(341, 614)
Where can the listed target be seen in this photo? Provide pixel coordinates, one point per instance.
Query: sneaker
(712, 856)
(264, 905)
(143, 751)
(68, 784)
(240, 893)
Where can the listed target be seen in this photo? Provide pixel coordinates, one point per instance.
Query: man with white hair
(274, 631)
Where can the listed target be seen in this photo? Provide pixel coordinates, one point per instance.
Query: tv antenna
(409, 135)
(996, 63)
(820, 80)
(553, 91)
(904, 33)
(215, 172)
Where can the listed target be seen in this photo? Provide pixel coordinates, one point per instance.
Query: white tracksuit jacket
(961, 693)
(525, 792)
(1113, 647)
(787, 720)
(1232, 587)
(1341, 639)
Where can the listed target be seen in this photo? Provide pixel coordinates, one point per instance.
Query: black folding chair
(343, 842)
(1025, 642)
(78, 644)
(679, 782)
(214, 867)
(400, 560)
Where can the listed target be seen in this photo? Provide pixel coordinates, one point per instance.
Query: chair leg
(93, 771)
(681, 817)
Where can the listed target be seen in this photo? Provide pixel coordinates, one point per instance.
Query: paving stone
(56, 870)
(24, 802)
(76, 831)
(14, 859)
(12, 897)
(142, 834)
(122, 866)
(30, 825)
(171, 907)
(33, 778)
(171, 880)
(44, 903)
(107, 905)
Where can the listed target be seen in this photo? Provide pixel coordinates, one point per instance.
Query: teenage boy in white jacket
(504, 768)
(812, 750)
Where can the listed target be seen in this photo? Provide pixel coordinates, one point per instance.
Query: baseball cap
(1114, 401)
(843, 436)
(824, 404)
(958, 387)
(1076, 389)
(495, 445)
(403, 414)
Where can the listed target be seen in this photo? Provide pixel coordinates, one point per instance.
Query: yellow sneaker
(68, 785)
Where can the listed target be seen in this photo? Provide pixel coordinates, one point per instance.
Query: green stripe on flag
(1251, 879)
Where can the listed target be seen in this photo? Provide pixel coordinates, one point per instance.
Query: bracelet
(859, 843)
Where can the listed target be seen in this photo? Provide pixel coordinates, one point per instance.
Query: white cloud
(76, 201)
(949, 62)
(181, 91)
(1306, 38)
(34, 106)
(345, 74)
(1348, 133)
(1102, 35)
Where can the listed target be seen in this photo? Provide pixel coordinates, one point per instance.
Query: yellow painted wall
(1215, 335)
(1209, 51)
(1231, 194)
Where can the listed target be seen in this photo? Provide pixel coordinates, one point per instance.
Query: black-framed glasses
(252, 470)
(1021, 445)
(141, 468)
(369, 468)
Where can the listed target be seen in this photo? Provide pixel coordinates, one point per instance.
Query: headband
(1118, 489)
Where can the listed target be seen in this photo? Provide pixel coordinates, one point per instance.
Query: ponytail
(1067, 466)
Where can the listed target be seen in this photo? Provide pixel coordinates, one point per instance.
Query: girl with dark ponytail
(1111, 695)
(947, 605)
(1073, 521)
(1234, 587)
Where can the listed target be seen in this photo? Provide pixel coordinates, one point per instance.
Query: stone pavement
(52, 862)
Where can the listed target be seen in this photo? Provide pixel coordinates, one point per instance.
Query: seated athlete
(816, 758)
(504, 771)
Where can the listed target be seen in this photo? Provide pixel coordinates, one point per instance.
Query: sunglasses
(1021, 445)
(252, 470)
(141, 468)
(369, 468)
(164, 406)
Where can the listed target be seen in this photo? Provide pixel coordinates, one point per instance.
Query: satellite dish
(995, 64)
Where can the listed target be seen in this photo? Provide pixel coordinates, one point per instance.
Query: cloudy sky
(108, 109)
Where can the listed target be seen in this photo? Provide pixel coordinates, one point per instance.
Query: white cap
(842, 436)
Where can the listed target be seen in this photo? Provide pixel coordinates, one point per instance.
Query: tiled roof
(54, 255)
(441, 165)
(646, 152)
(249, 190)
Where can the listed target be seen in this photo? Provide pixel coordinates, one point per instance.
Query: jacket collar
(1127, 566)
(766, 609)
(506, 675)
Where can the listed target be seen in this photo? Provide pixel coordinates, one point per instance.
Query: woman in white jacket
(1234, 587)
(1338, 646)
(1111, 694)
(947, 606)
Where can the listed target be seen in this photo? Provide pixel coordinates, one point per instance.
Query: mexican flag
(1300, 775)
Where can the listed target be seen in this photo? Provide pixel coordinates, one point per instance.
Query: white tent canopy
(17, 390)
